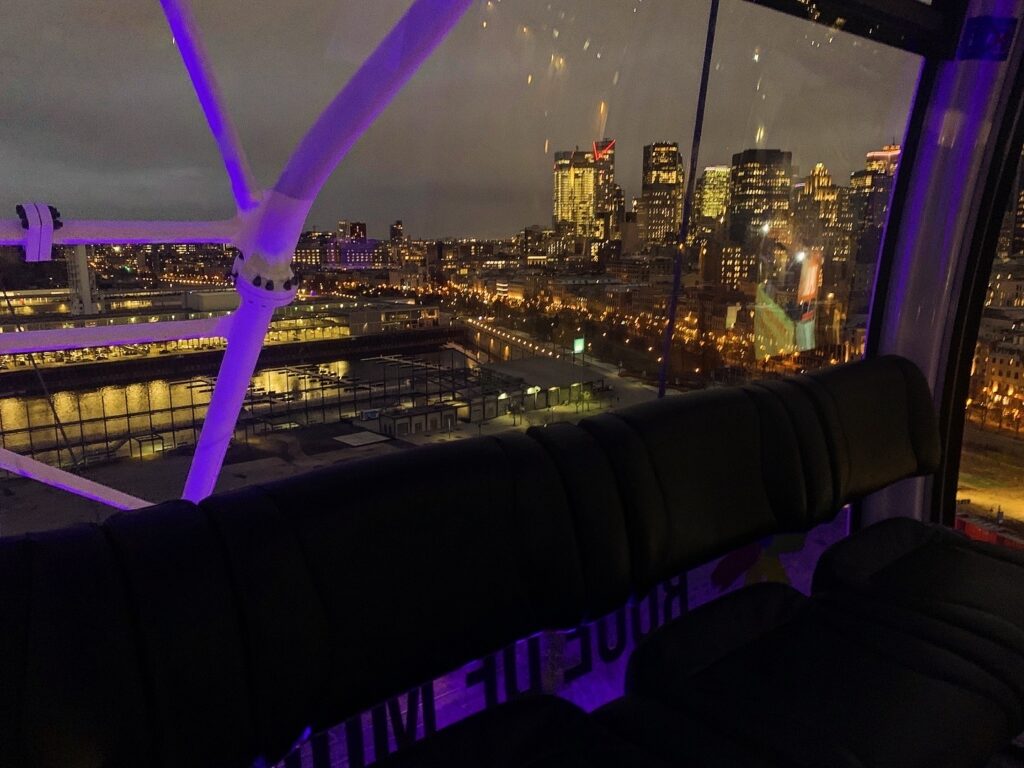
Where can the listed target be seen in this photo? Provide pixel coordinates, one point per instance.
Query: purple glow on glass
(927, 266)
(187, 37)
(371, 89)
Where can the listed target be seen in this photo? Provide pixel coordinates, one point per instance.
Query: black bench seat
(211, 635)
(815, 683)
(534, 732)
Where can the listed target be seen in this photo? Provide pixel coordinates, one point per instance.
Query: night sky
(98, 118)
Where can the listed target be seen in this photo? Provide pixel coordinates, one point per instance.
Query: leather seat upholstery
(212, 635)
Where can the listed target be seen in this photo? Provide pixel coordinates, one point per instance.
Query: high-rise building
(357, 230)
(760, 184)
(823, 222)
(574, 193)
(660, 209)
(608, 198)
(814, 208)
(711, 195)
(397, 232)
(1017, 212)
(711, 192)
(885, 160)
(870, 192)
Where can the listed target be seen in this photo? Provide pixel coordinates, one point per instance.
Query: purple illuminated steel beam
(128, 232)
(190, 44)
(396, 59)
(65, 481)
(51, 340)
(249, 326)
(267, 241)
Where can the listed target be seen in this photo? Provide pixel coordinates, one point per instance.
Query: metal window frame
(1008, 145)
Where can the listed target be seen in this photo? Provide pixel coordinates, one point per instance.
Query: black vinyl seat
(534, 732)
(924, 568)
(210, 635)
(816, 684)
(835, 680)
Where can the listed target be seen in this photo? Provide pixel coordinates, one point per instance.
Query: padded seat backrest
(880, 423)
(74, 672)
(700, 474)
(821, 485)
(391, 571)
(588, 477)
(189, 634)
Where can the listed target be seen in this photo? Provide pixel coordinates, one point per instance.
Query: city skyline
(467, 149)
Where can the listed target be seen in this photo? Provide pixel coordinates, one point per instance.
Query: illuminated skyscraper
(885, 160)
(660, 210)
(574, 193)
(870, 192)
(822, 221)
(711, 196)
(814, 207)
(608, 198)
(760, 184)
(1017, 211)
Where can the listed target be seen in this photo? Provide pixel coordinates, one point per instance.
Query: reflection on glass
(990, 499)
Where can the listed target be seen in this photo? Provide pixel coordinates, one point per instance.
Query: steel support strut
(268, 234)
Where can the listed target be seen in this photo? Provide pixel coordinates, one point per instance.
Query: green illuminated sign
(577, 346)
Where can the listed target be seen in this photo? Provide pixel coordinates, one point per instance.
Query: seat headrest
(880, 422)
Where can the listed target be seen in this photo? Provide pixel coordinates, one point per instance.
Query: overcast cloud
(97, 115)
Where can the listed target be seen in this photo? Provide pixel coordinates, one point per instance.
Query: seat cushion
(937, 573)
(927, 564)
(681, 740)
(821, 685)
(539, 732)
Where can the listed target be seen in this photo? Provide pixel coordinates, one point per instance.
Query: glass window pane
(525, 189)
(806, 124)
(990, 500)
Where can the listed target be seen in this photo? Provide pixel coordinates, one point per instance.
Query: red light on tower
(601, 152)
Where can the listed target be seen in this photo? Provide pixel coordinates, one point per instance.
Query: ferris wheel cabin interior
(507, 383)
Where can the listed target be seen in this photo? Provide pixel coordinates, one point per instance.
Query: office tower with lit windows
(822, 219)
(1017, 212)
(315, 248)
(574, 194)
(357, 230)
(608, 198)
(760, 185)
(870, 193)
(884, 161)
(736, 266)
(660, 208)
(823, 224)
(711, 194)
